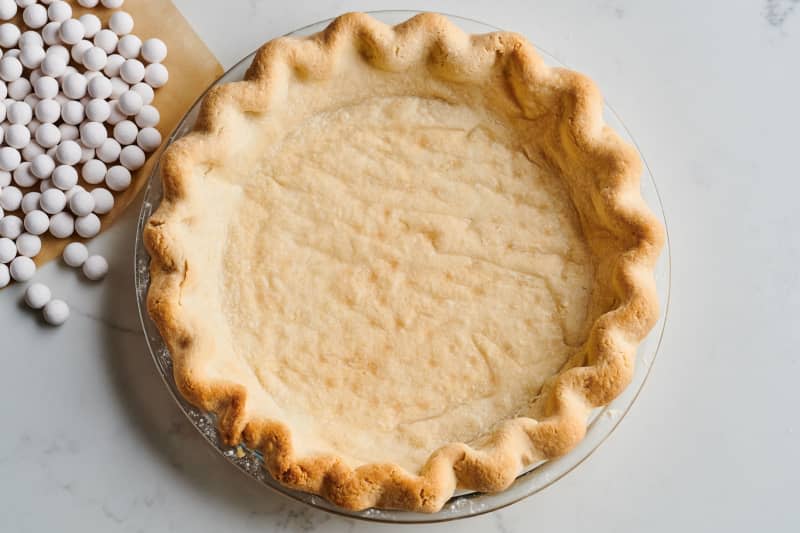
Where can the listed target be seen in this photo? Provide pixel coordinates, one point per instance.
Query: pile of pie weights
(75, 120)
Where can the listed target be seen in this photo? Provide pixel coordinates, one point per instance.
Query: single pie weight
(95, 267)
(75, 254)
(37, 295)
(56, 312)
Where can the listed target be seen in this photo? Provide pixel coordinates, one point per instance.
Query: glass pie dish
(602, 421)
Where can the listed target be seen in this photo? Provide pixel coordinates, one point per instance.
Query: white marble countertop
(92, 441)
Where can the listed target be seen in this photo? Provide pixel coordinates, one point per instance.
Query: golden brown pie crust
(602, 173)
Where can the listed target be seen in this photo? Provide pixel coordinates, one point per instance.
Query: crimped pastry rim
(612, 344)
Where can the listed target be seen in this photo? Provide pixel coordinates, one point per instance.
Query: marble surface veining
(92, 441)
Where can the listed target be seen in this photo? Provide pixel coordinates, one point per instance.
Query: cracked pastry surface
(401, 260)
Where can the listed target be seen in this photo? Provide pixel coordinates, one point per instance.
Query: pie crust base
(549, 125)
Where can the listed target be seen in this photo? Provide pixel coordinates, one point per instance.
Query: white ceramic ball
(129, 46)
(19, 89)
(91, 24)
(94, 58)
(9, 159)
(72, 112)
(125, 132)
(29, 245)
(53, 201)
(8, 8)
(42, 166)
(81, 204)
(132, 157)
(108, 152)
(148, 139)
(148, 117)
(130, 103)
(50, 33)
(132, 71)
(99, 87)
(47, 110)
(9, 35)
(64, 177)
(113, 64)
(19, 113)
(23, 176)
(53, 64)
(37, 295)
(22, 268)
(34, 16)
(74, 86)
(10, 226)
(97, 110)
(121, 23)
(62, 225)
(107, 40)
(75, 254)
(17, 136)
(48, 135)
(87, 226)
(118, 178)
(93, 134)
(36, 222)
(93, 171)
(68, 153)
(59, 11)
(95, 267)
(56, 312)
(154, 50)
(45, 87)
(30, 201)
(11, 68)
(10, 198)
(71, 31)
(103, 200)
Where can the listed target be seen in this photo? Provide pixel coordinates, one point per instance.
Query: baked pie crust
(402, 260)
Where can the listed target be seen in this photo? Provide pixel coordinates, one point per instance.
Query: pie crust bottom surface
(399, 276)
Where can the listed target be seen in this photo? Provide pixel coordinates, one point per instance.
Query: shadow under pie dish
(402, 260)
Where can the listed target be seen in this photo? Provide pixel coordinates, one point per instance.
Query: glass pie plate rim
(603, 420)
